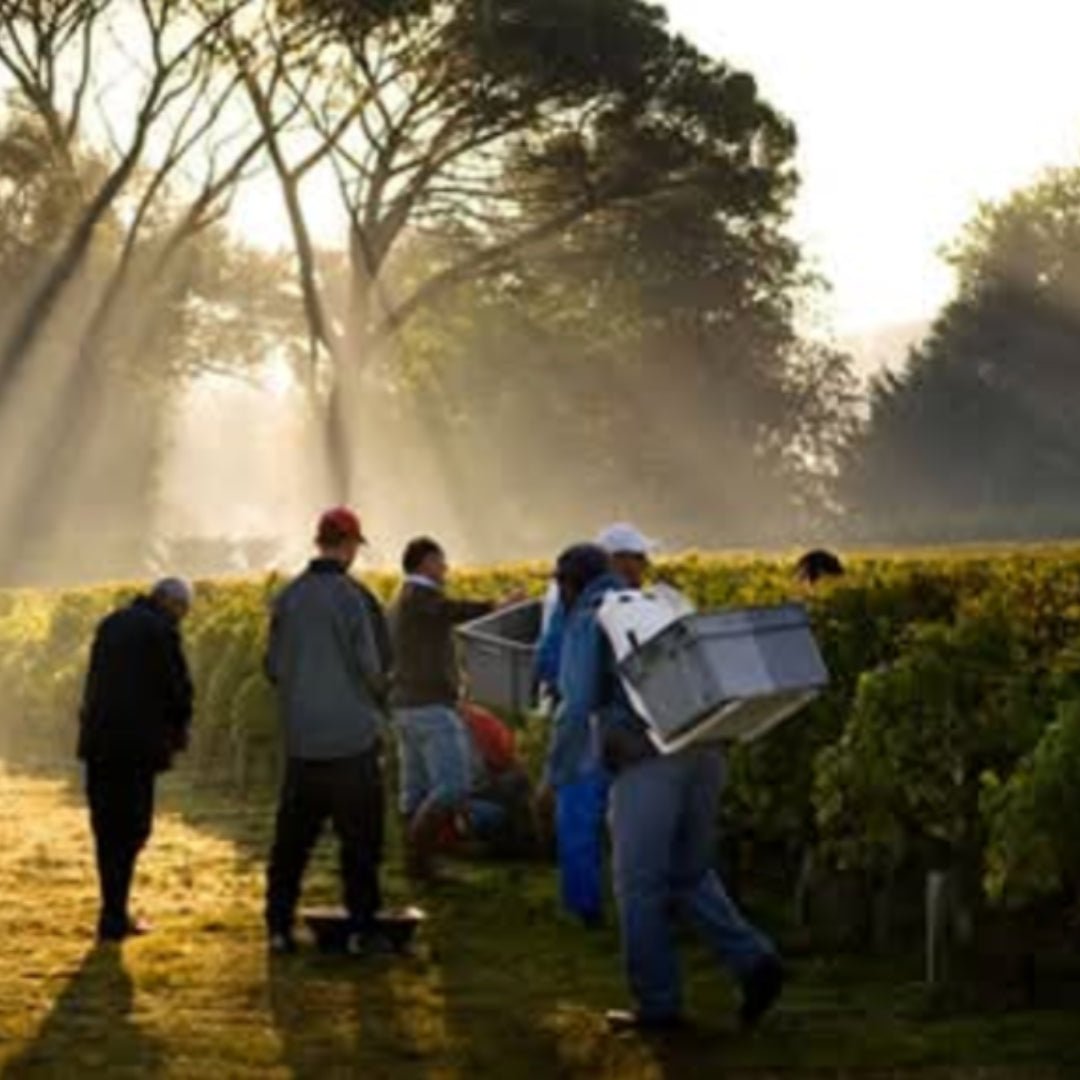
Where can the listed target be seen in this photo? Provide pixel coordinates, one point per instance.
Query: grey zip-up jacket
(329, 661)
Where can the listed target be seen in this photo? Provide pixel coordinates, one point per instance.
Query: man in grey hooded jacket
(329, 659)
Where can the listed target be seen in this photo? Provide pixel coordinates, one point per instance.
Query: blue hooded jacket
(549, 651)
(589, 687)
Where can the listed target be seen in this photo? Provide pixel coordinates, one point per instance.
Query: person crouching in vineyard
(499, 810)
(663, 819)
(328, 658)
(135, 716)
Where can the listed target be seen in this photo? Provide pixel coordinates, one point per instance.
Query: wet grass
(499, 986)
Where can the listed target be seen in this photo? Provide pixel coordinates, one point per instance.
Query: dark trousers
(121, 798)
(349, 793)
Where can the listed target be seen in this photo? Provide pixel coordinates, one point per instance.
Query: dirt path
(500, 988)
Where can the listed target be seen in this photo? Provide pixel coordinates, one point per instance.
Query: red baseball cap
(339, 524)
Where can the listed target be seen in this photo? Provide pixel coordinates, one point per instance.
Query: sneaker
(760, 990)
(622, 1021)
(281, 943)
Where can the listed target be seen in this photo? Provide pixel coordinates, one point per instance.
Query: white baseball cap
(623, 538)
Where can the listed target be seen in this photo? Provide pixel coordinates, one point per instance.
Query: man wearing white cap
(663, 820)
(629, 549)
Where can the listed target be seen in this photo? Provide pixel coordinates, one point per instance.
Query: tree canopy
(976, 436)
(563, 241)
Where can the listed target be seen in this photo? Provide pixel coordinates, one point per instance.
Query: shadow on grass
(501, 986)
(91, 1027)
(393, 1018)
(456, 1005)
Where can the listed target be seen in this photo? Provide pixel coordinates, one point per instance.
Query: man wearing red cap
(329, 658)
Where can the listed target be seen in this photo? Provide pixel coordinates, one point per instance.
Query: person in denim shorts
(433, 744)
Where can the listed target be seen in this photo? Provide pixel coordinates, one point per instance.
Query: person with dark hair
(663, 818)
(135, 717)
(433, 745)
(329, 659)
(818, 565)
(581, 805)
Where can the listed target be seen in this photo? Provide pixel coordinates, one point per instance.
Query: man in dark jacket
(433, 745)
(329, 660)
(135, 716)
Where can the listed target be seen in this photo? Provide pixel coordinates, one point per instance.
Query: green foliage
(682, 303)
(975, 436)
(903, 780)
(933, 744)
(1034, 843)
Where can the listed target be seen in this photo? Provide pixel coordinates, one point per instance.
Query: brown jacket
(422, 621)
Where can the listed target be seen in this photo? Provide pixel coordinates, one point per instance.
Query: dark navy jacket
(137, 700)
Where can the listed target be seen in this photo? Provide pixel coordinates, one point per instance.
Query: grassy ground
(499, 986)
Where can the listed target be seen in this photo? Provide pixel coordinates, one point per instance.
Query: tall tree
(424, 102)
(645, 363)
(976, 437)
(85, 436)
(163, 54)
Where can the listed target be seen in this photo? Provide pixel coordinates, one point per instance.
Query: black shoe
(760, 990)
(114, 930)
(281, 943)
(593, 922)
(626, 1020)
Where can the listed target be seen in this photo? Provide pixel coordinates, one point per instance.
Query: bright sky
(908, 114)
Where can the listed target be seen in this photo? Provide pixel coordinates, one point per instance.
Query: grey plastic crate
(727, 675)
(498, 653)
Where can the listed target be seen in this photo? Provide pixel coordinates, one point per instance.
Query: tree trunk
(337, 443)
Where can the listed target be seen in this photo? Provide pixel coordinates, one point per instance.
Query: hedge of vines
(950, 735)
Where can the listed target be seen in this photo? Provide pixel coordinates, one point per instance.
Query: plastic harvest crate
(727, 675)
(498, 652)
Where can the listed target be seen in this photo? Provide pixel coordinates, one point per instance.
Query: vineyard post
(938, 905)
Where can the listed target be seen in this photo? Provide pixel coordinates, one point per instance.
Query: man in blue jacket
(663, 819)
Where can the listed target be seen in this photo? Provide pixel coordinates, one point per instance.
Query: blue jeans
(663, 825)
(580, 809)
(436, 761)
(485, 817)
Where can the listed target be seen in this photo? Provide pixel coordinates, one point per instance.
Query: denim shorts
(436, 758)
